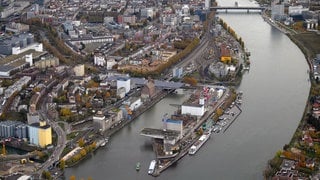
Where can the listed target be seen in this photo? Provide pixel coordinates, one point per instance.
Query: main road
(61, 140)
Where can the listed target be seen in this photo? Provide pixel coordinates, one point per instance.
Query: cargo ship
(196, 146)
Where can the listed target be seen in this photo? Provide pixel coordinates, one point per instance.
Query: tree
(65, 112)
(81, 142)
(190, 80)
(107, 95)
(219, 112)
(73, 177)
(62, 164)
(83, 152)
(46, 175)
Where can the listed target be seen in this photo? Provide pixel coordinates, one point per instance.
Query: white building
(99, 60)
(296, 10)
(147, 12)
(311, 24)
(121, 92)
(193, 109)
(110, 63)
(100, 121)
(220, 93)
(135, 103)
(207, 4)
(108, 19)
(124, 82)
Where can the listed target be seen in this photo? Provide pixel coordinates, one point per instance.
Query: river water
(275, 93)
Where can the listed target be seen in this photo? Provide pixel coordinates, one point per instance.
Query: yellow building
(225, 54)
(226, 59)
(40, 134)
(45, 134)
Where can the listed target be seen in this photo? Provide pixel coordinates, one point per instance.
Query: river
(275, 93)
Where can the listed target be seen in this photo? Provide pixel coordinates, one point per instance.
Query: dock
(189, 137)
(237, 111)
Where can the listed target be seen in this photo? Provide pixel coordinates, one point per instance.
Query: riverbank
(299, 158)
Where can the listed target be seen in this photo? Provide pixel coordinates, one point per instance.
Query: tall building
(40, 134)
(277, 10)
(207, 4)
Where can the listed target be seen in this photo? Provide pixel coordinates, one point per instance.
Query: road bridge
(248, 8)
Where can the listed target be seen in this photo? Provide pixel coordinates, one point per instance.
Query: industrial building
(14, 63)
(193, 109)
(17, 41)
(124, 82)
(9, 129)
(40, 134)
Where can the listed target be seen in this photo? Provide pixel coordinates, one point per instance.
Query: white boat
(103, 144)
(152, 166)
(105, 141)
(196, 146)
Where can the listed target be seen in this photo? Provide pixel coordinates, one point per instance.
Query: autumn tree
(65, 112)
(73, 177)
(46, 175)
(81, 142)
(190, 80)
(219, 112)
(83, 152)
(62, 164)
(92, 84)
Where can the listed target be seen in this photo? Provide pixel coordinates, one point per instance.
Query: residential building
(99, 59)
(47, 62)
(17, 27)
(79, 70)
(177, 72)
(33, 116)
(148, 90)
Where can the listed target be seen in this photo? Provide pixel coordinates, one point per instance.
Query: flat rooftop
(160, 133)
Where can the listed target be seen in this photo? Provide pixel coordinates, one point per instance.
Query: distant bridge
(226, 8)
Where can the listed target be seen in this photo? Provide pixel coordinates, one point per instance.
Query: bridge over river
(248, 8)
